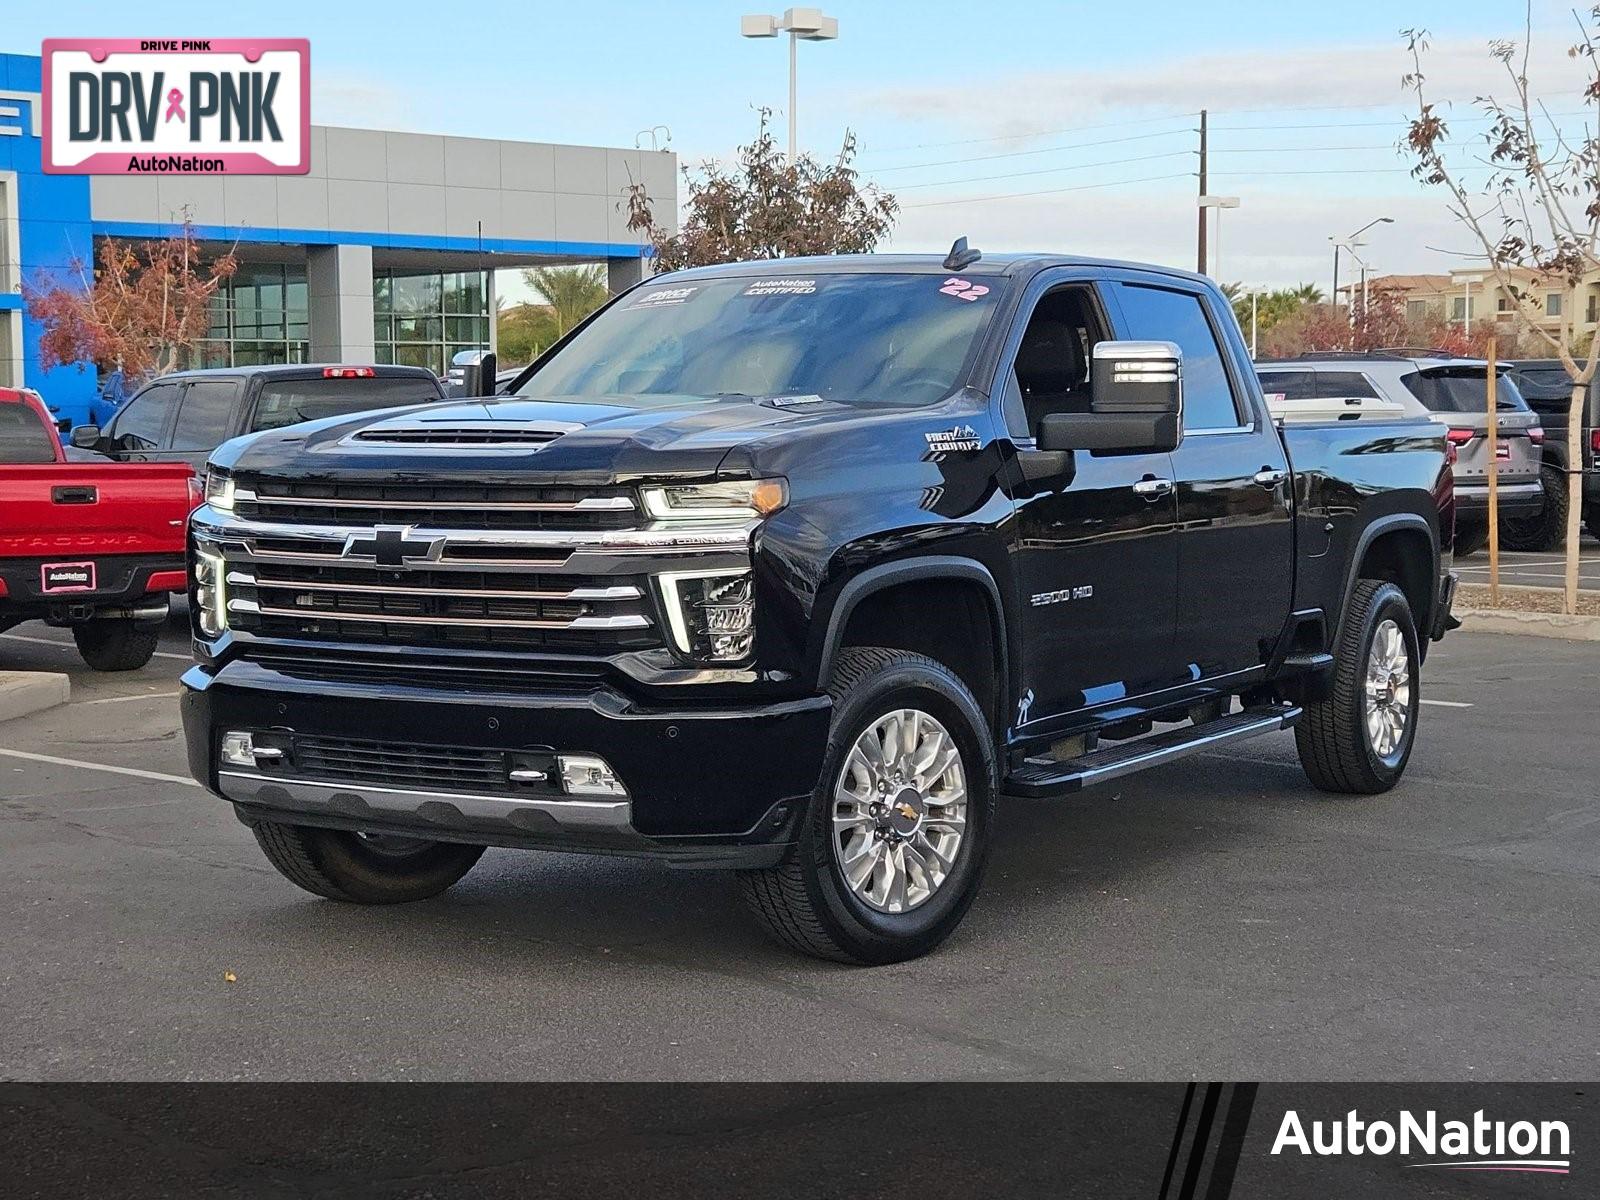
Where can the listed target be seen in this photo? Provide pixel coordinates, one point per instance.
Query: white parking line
(93, 766)
(1449, 703)
(39, 641)
(141, 696)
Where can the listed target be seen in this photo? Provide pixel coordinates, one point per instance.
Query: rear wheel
(363, 868)
(893, 846)
(1470, 538)
(1547, 529)
(116, 645)
(1360, 738)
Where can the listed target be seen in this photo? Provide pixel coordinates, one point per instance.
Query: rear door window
(23, 437)
(206, 414)
(1341, 385)
(1161, 314)
(142, 424)
(290, 401)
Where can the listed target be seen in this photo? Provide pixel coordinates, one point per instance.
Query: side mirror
(1137, 403)
(472, 373)
(86, 437)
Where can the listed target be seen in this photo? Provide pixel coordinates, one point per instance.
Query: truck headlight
(210, 593)
(712, 617)
(729, 500)
(219, 491)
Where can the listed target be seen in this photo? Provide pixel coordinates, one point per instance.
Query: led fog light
(238, 749)
(712, 617)
(588, 775)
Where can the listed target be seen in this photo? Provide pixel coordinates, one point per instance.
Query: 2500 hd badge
(667, 611)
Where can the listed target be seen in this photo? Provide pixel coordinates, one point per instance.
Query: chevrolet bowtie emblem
(390, 546)
(906, 811)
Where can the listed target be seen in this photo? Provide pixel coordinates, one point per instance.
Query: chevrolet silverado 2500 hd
(793, 568)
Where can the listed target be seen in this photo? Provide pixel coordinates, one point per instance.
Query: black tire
(1470, 538)
(805, 902)
(1546, 530)
(116, 645)
(339, 865)
(1331, 736)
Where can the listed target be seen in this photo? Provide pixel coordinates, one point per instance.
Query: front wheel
(1470, 539)
(363, 868)
(893, 846)
(1360, 738)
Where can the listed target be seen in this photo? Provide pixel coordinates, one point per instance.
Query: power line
(1138, 137)
(1082, 187)
(1110, 162)
(1012, 137)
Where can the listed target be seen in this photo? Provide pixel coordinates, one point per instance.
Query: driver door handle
(1152, 488)
(1269, 478)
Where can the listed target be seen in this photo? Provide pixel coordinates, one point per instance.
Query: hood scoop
(463, 435)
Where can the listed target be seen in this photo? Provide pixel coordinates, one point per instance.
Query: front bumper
(722, 787)
(1515, 499)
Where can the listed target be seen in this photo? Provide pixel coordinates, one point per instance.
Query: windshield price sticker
(665, 297)
(781, 287)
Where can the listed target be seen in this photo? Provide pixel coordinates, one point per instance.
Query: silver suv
(1451, 391)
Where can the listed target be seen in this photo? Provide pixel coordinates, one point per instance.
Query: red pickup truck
(94, 546)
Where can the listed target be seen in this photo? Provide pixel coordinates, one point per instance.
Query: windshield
(1463, 390)
(861, 339)
(23, 437)
(290, 401)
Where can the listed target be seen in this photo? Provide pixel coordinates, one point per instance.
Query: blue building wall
(54, 227)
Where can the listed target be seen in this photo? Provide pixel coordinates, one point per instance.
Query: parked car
(96, 548)
(1452, 392)
(791, 568)
(184, 416)
(1546, 387)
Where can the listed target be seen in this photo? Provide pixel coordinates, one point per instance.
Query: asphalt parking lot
(1214, 918)
(1545, 569)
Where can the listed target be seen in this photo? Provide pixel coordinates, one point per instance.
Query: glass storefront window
(423, 319)
(258, 317)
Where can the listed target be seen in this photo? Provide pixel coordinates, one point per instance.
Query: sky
(1020, 124)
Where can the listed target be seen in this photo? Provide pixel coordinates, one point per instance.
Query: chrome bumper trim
(445, 809)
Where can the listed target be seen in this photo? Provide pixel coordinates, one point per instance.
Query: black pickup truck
(793, 568)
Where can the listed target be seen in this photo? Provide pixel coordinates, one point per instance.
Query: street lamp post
(1219, 203)
(801, 24)
(1466, 301)
(1347, 244)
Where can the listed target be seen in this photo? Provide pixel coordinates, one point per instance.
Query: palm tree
(572, 292)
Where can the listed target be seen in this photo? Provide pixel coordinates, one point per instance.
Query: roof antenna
(960, 257)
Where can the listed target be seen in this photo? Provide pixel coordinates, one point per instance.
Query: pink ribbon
(175, 105)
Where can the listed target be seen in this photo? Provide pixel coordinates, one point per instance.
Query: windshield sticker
(793, 401)
(781, 287)
(662, 297)
(963, 289)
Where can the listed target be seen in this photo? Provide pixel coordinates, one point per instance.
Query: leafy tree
(1270, 307)
(143, 308)
(1538, 210)
(572, 293)
(767, 207)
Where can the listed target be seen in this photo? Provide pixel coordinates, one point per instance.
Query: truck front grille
(430, 768)
(437, 505)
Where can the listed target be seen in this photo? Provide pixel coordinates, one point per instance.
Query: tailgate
(86, 509)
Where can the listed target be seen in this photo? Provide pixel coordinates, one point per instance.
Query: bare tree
(1538, 212)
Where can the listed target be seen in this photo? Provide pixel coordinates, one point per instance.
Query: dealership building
(385, 252)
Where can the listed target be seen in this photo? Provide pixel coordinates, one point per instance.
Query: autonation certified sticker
(217, 106)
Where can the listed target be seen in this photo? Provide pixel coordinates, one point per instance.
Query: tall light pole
(1466, 301)
(801, 24)
(1346, 244)
(1219, 203)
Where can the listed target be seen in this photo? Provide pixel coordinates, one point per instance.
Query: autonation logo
(1476, 1145)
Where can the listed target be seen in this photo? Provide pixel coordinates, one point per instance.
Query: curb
(25, 692)
(1535, 624)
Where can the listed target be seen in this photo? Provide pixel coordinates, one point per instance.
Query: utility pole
(1202, 212)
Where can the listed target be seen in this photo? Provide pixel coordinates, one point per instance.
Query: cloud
(1297, 78)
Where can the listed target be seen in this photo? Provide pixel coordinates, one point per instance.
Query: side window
(1051, 368)
(23, 437)
(1160, 314)
(143, 421)
(1287, 385)
(206, 414)
(1340, 385)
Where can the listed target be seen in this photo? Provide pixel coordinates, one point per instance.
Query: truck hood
(576, 440)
